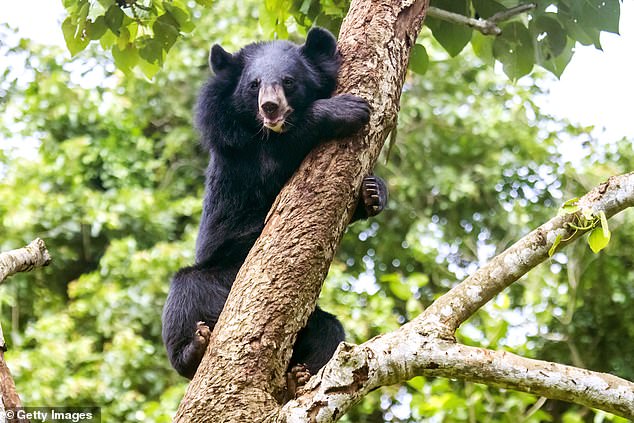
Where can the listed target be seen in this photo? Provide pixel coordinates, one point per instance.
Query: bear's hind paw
(202, 335)
(374, 195)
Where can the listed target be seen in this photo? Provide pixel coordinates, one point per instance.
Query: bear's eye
(288, 82)
(255, 84)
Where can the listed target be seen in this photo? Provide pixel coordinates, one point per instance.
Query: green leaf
(125, 59)
(598, 239)
(107, 40)
(514, 48)
(95, 30)
(74, 40)
(556, 243)
(205, 3)
(604, 224)
(419, 60)
(584, 20)
(418, 383)
(487, 8)
(451, 36)
(549, 35)
(150, 50)
(124, 37)
(166, 31)
(482, 46)
(583, 34)
(571, 202)
(148, 69)
(181, 16)
(569, 207)
(601, 14)
(114, 18)
(558, 64)
(106, 3)
(81, 18)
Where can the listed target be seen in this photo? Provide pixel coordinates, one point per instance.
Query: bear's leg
(192, 353)
(194, 302)
(317, 342)
(373, 198)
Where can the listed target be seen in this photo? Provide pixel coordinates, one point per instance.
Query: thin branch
(24, 259)
(507, 14)
(430, 349)
(486, 26)
(456, 306)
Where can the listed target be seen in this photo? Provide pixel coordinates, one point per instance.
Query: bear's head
(275, 82)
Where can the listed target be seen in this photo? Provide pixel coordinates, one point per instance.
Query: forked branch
(426, 346)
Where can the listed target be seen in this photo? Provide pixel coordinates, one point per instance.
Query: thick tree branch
(425, 346)
(243, 371)
(24, 259)
(385, 360)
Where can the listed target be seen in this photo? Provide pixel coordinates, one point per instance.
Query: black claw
(373, 197)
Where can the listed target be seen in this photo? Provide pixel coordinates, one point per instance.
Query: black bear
(266, 107)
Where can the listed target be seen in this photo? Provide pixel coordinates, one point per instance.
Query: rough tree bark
(242, 376)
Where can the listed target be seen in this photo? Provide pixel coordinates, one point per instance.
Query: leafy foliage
(108, 172)
(584, 220)
(140, 33)
(137, 32)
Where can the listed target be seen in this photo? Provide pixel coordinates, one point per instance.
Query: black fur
(249, 164)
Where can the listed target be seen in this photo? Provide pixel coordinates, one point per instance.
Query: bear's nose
(270, 107)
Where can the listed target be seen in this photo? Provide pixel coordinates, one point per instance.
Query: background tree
(115, 187)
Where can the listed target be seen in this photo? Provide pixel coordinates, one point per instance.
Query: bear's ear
(219, 58)
(319, 43)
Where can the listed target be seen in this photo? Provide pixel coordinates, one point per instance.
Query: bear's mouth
(276, 124)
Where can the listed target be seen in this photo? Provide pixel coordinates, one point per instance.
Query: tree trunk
(242, 376)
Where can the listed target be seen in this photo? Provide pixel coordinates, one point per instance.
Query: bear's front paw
(354, 111)
(374, 195)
